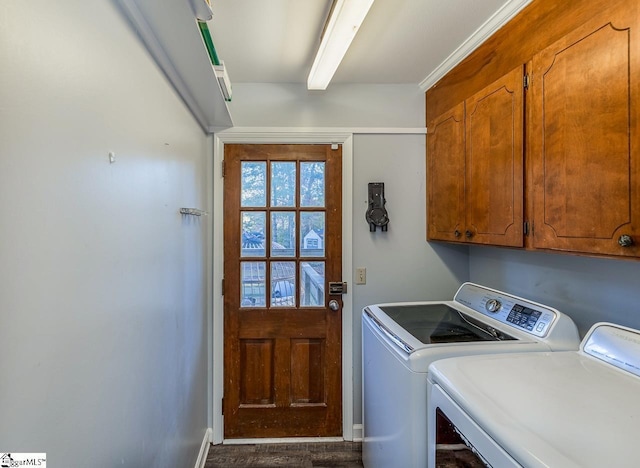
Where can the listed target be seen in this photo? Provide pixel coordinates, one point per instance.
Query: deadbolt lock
(337, 288)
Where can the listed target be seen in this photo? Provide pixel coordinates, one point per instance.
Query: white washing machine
(401, 340)
(567, 409)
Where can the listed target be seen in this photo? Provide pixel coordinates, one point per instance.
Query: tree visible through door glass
(283, 184)
(283, 234)
(312, 184)
(254, 184)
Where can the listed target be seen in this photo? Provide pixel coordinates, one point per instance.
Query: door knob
(334, 305)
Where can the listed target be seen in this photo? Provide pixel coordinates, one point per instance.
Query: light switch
(361, 276)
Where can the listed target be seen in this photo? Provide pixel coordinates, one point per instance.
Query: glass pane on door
(283, 234)
(312, 284)
(253, 233)
(253, 285)
(283, 284)
(312, 233)
(253, 184)
(283, 184)
(312, 183)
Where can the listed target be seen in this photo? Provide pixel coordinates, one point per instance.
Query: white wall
(341, 105)
(401, 266)
(588, 289)
(103, 321)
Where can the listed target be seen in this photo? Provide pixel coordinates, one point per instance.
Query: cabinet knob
(456, 233)
(468, 234)
(625, 240)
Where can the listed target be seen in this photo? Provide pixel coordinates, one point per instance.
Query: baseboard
(358, 433)
(204, 449)
(282, 440)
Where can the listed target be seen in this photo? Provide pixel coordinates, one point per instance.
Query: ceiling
(401, 41)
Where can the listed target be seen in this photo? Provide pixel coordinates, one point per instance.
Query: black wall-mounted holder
(377, 214)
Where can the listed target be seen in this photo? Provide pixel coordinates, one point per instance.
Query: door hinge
(222, 167)
(526, 81)
(222, 287)
(222, 407)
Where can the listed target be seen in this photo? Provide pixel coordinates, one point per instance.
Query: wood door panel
(260, 324)
(257, 372)
(256, 423)
(283, 353)
(584, 137)
(307, 371)
(494, 162)
(445, 169)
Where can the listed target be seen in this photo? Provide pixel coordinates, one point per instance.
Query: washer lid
(548, 409)
(432, 323)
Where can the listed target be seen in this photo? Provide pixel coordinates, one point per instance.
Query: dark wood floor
(299, 455)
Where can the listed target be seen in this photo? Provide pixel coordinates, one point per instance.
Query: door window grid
(290, 283)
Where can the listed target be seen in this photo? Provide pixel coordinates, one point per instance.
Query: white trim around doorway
(280, 136)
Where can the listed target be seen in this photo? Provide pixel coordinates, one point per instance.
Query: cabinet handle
(625, 240)
(468, 234)
(456, 233)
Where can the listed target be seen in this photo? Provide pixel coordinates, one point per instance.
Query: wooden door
(445, 176)
(282, 246)
(584, 139)
(494, 162)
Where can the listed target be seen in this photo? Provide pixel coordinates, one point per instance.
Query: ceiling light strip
(344, 22)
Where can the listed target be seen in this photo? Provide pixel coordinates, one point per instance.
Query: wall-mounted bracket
(377, 214)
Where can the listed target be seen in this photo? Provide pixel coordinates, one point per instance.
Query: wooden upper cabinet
(475, 167)
(584, 138)
(445, 172)
(494, 155)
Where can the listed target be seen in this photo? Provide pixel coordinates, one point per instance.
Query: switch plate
(361, 276)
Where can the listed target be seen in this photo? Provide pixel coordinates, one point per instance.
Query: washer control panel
(530, 317)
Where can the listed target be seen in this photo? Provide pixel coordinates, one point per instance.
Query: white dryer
(570, 409)
(401, 340)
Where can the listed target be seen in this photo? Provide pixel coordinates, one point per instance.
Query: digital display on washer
(523, 317)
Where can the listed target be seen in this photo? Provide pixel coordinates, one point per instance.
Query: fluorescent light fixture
(223, 79)
(344, 21)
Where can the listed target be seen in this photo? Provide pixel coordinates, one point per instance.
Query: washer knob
(493, 305)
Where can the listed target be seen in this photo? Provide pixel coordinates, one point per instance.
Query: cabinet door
(584, 137)
(494, 162)
(445, 176)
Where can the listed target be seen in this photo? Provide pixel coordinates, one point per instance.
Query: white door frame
(279, 136)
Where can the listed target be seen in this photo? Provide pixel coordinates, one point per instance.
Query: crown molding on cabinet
(499, 19)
